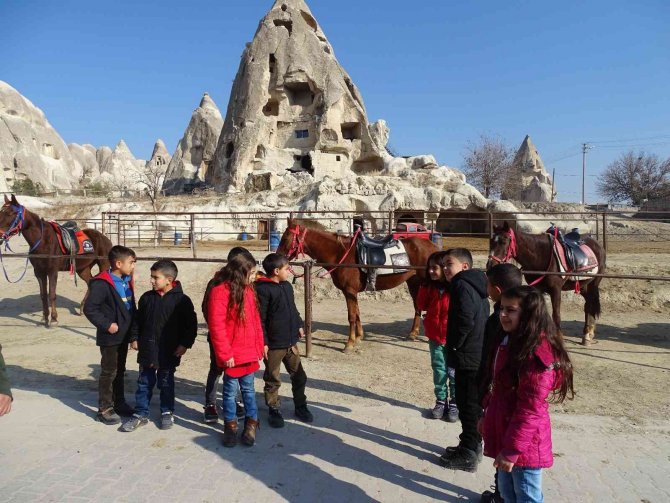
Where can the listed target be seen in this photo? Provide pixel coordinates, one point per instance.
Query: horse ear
(6, 199)
(14, 201)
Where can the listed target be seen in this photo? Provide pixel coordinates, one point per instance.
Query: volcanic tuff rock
(528, 180)
(191, 160)
(120, 168)
(29, 147)
(160, 155)
(292, 107)
(85, 159)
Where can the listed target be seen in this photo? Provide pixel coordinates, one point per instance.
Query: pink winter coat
(233, 338)
(436, 305)
(516, 421)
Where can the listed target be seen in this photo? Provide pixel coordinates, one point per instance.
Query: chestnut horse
(331, 248)
(42, 239)
(534, 253)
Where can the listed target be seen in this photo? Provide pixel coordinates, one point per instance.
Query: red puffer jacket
(516, 421)
(436, 305)
(231, 337)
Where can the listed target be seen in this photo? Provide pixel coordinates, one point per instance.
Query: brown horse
(534, 253)
(42, 239)
(331, 248)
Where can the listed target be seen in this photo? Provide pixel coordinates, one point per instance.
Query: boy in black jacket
(166, 327)
(468, 312)
(282, 327)
(110, 306)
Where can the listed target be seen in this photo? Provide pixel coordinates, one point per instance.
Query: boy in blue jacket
(110, 307)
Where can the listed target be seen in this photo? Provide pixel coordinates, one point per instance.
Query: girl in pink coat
(237, 338)
(531, 368)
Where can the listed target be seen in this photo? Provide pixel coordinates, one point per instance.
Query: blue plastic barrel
(275, 238)
(244, 236)
(436, 238)
(177, 238)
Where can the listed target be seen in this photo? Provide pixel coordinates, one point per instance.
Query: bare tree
(151, 178)
(635, 177)
(487, 164)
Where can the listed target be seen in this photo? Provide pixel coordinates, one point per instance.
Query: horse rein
(511, 254)
(297, 250)
(16, 229)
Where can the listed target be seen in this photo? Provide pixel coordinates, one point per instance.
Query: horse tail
(593, 294)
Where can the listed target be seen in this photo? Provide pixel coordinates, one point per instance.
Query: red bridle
(297, 247)
(511, 249)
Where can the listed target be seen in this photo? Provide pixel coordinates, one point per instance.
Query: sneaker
(123, 409)
(460, 459)
(276, 420)
(491, 497)
(133, 423)
(108, 416)
(304, 414)
(452, 413)
(449, 451)
(239, 410)
(167, 420)
(438, 410)
(211, 414)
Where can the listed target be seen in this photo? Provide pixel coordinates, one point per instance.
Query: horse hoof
(586, 342)
(412, 336)
(54, 323)
(348, 350)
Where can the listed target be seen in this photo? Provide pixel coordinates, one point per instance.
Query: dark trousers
(148, 378)
(113, 368)
(469, 410)
(212, 377)
(291, 359)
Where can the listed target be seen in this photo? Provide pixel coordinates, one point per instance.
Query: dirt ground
(627, 373)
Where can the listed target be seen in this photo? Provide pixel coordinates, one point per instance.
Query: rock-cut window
(302, 133)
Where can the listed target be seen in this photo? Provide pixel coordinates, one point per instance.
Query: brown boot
(230, 433)
(249, 434)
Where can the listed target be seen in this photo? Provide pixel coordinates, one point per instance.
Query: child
(500, 278)
(5, 391)
(433, 297)
(237, 337)
(165, 328)
(531, 365)
(468, 312)
(282, 327)
(110, 306)
(211, 415)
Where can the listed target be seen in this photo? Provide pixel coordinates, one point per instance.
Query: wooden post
(308, 308)
(605, 231)
(192, 236)
(103, 222)
(597, 227)
(490, 215)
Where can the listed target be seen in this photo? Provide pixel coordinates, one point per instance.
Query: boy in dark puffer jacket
(282, 327)
(165, 328)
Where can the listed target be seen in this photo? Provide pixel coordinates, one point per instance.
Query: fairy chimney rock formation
(528, 180)
(293, 108)
(119, 168)
(160, 157)
(30, 149)
(190, 162)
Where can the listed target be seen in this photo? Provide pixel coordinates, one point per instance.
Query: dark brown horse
(534, 253)
(42, 239)
(331, 248)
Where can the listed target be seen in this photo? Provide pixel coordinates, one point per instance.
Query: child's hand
(5, 404)
(181, 351)
(502, 463)
(133, 345)
(301, 332)
(265, 352)
(113, 328)
(229, 364)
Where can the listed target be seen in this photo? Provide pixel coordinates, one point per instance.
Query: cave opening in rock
(299, 94)
(285, 24)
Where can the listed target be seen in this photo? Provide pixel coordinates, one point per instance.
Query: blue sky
(440, 72)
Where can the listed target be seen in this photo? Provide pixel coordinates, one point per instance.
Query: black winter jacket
(492, 339)
(468, 312)
(104, 306)
(163, 323)
(279, 316)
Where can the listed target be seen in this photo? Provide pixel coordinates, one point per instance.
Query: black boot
(276, 420)
(460, 459)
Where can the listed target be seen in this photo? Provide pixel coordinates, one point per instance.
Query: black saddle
(68, 232)
(371, 251)
(572, 243)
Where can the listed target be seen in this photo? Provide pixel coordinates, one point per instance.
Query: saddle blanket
(591, 267)
(67, 240)
(397, 256)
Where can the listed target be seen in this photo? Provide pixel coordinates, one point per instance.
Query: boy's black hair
(505, 276)
(274, 261)
(166, 267)
(460, 254)
(240, 250)
(119, 252)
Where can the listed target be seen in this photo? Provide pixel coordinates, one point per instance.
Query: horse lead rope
(15, 230)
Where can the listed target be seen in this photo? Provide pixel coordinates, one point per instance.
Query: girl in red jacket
(237, 338)
(433, 298)
(531, 368)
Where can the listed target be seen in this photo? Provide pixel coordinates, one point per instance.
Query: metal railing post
(308, 308)
(605, 231)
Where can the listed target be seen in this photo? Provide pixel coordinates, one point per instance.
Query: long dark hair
(236, 274)
(535, 324)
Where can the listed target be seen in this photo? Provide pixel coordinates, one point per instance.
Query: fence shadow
(13, 308)
(393, 333)
(653, 335)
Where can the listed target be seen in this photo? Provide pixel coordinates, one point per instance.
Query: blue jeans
(148, 378)
(523, 485)
(230, 387)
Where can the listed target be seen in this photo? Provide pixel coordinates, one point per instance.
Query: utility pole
(585, 148)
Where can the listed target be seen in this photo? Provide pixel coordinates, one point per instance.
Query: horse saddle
(571, 252)
(72, 240)
(385, 251)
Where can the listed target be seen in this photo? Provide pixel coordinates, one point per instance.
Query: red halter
(511, 249)
(297, 248)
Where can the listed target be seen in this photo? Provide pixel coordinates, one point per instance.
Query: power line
(664, 137)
